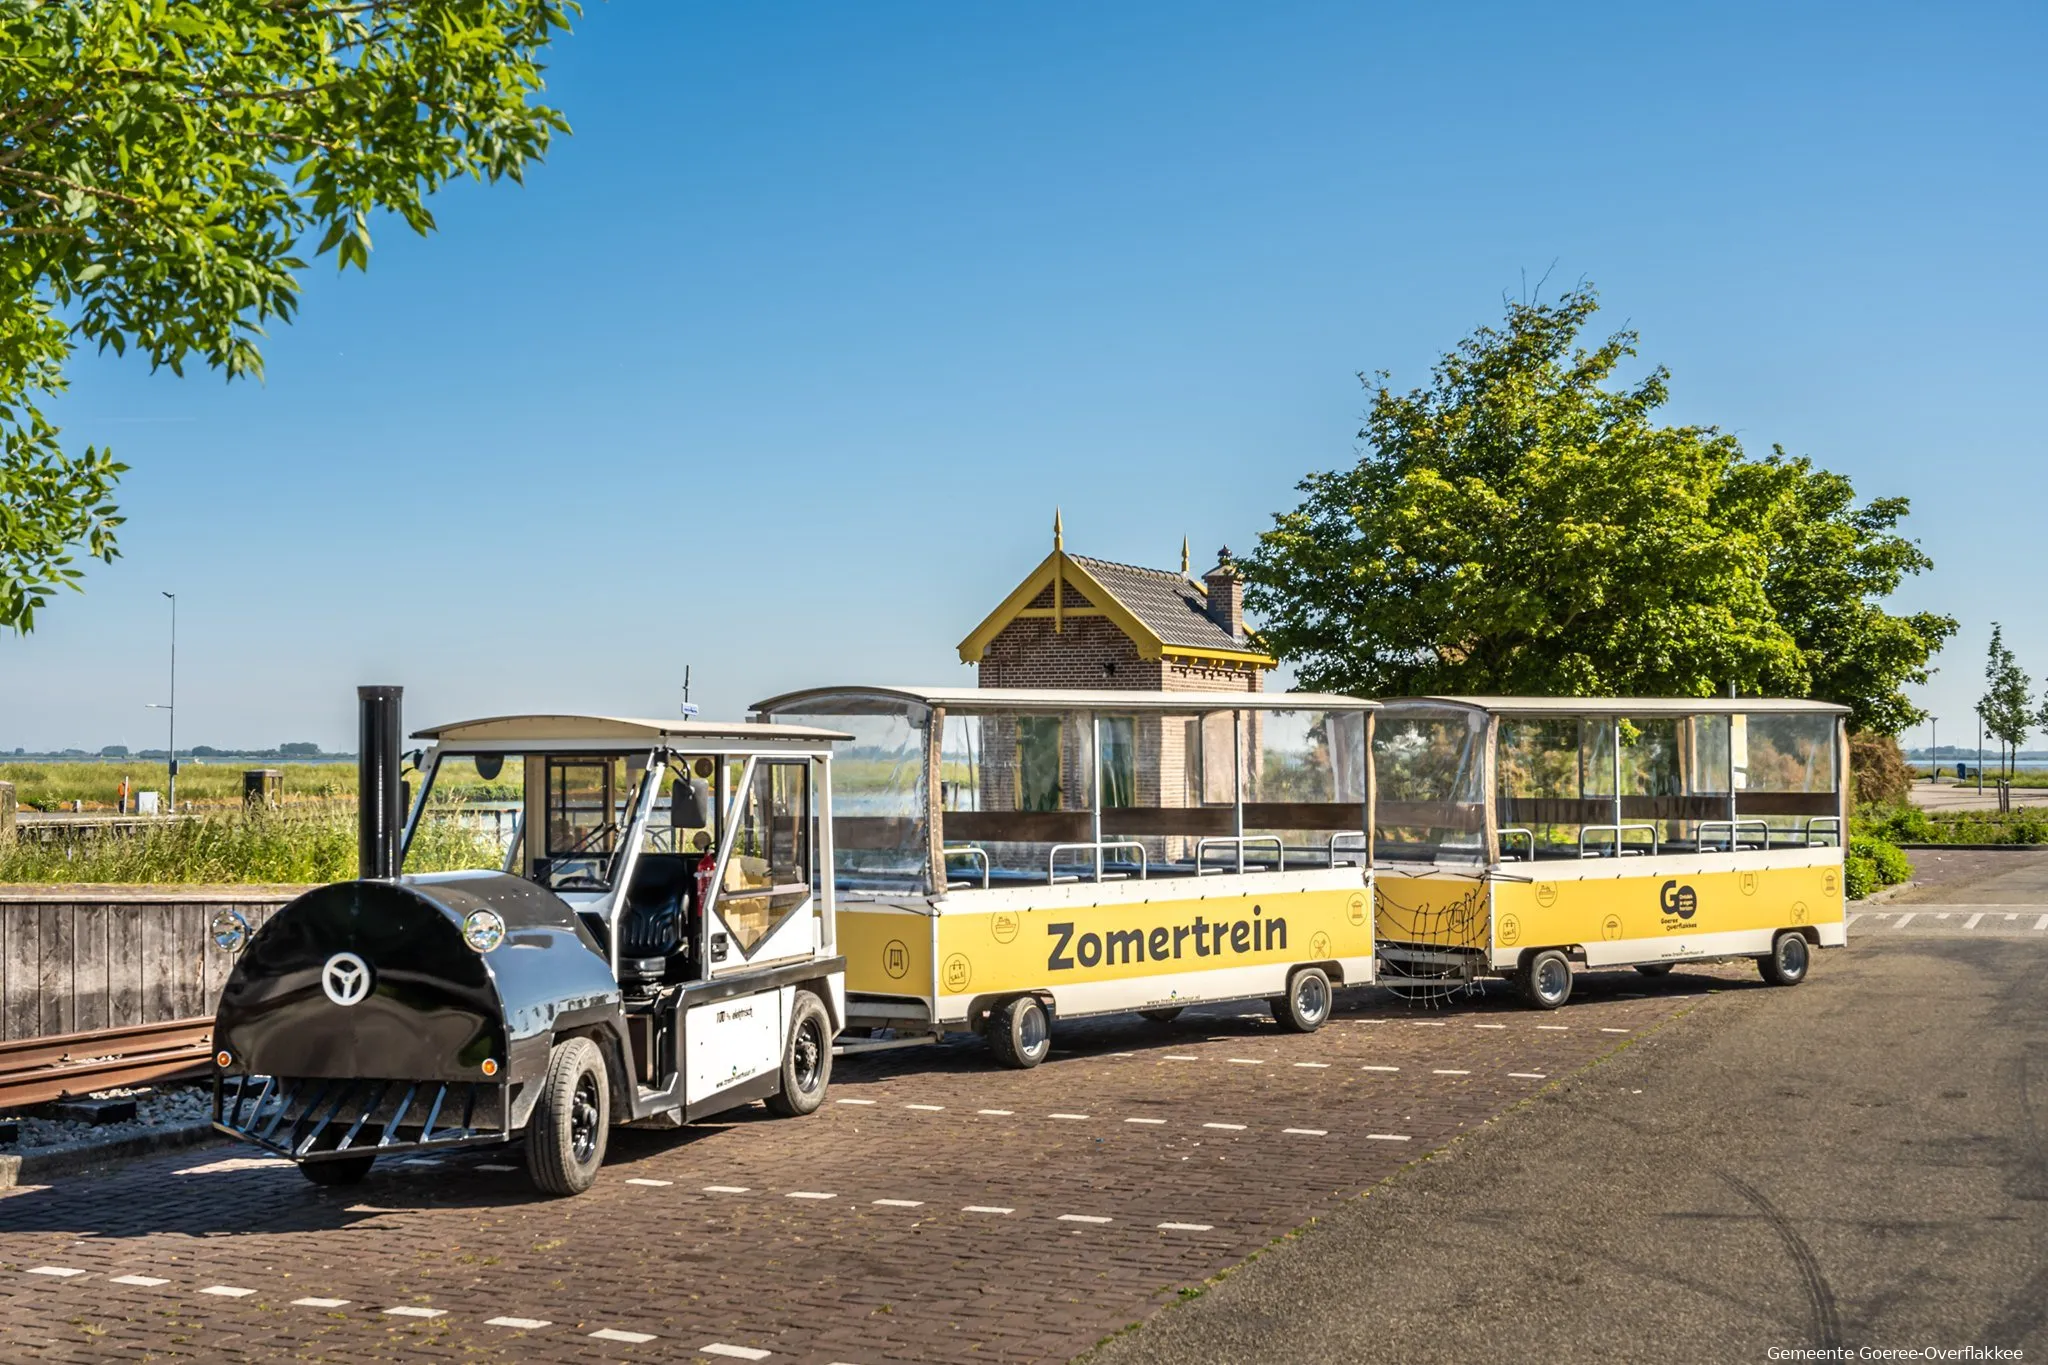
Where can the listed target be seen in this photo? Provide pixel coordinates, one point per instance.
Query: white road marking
(1313, 1066)
(1442, 1071)
(1187, 1227)
(1973, 920)
(726, 1189)
(999, 1113)
(1227, 1127)
(642, 1180)
(1614, 1030)
(1066, 1116)
(928, 1108)
(1084, 1218)
(630, 1338)
(1427, 1023)
(1144, 1120)
(320, 1303)
(227, 1291)
(1852, 921)
(1905, 919)
(1247, 1061)
(2041, 923)
(719, 1348)
(900, 1203)
(406, 1310)
(1307, 1132)
(1489, 1026)
(521, 1324)
(985, 1208)
(2010, 918)
(1555, 1028)
(1529, 1075)
(1123, 1054)
(1170, 1057)
(62, 1272)
(1379, 1068)
(856, 1101)
(1386, 1137)
(1942, 915)
(810, 1194)
(144, 1281)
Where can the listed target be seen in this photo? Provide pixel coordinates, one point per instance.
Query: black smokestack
(380, 797)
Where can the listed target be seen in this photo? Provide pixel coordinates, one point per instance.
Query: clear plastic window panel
(879, 829)
(1431, 785)
(473, 815)
(1305, 786)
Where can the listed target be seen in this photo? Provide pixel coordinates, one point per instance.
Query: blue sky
(780, 364)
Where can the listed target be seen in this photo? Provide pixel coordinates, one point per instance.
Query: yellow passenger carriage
(1523, 836)
(1006, 856)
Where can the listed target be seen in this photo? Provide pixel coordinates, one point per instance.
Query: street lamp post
(1933, 748)
(172, 706)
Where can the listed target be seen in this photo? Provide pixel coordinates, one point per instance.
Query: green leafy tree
(2006, 708)
(1524, 525)
(161, 163)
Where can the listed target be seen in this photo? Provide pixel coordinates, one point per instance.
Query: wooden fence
(74, 958)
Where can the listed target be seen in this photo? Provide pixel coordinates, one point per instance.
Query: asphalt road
(1861, 1161)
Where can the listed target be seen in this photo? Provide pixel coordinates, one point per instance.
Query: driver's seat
(654, 921)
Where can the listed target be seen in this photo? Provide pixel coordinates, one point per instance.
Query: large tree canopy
(161, 162)
(1523, 525)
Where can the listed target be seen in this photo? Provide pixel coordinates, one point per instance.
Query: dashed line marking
(2041, 923)
(227, 1291)
(1386, 1137)
(998, 1113)
(1489, 1026)
(1379, 1068)
(720, 1348)
(2010, 918)
(1907, 919)
(1307, 1132)
(1427, 1023)
(1447, 1071)
(1152, 1121)
(1942, 915)
(643, 1180)
(519, 1324)
(1187, 1227)
(1066, 1116)
(62, 1272)
(1313, 1066)
(1247, 1061)
(141, 1281)
(856, 1101)
(320, 1303)
(1084, 1218)
(900, 1203)
(810, 1194)
(986, 1208)
(927, 1108)
(1555, 1028)
(406, 1310)
(1227, 1127)
(1614, 1030)
(630, 1338)
(1171, 1058)
(727, 1189)
(1529, 1075)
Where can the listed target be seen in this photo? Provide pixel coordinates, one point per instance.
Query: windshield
(558, 819)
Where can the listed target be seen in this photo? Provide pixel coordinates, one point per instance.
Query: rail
(1734, 828)
(1098, 849)
(1347, 834)
(1833, 831)
(952, 851)
(37, 1070)
(1619, 831)
(1240, 842)
(1512, 831)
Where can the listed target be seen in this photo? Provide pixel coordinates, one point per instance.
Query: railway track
(35, 1070)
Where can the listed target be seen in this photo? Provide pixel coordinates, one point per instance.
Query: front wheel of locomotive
(566, 1137)
(806, 1062)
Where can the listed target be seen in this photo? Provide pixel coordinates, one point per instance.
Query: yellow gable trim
(1056, 570)
(1228, 656)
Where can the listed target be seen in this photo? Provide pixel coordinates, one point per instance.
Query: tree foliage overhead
(163, 161)
(1523, 525)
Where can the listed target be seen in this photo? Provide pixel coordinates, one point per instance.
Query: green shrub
(1859, 876)
(1888, 862)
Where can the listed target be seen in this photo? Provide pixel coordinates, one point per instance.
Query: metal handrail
(1052, 858)
(1239, 842)
(1619, 829)
(967, 851)
(1528, 834)
(1834, 824)
(1363, 843)
(1735, 828)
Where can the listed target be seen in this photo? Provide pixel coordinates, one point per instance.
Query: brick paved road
(937, 1209)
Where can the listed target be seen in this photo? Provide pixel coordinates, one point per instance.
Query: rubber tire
(1654, 968)
(1292, 1014)
(807, 1017)
(551, 1161)
(338, 1172)
(1162, 1016)
(1533, 971)
(1789, 961)
(1008, 1027)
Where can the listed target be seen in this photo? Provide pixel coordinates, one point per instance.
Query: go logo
(1681, 901)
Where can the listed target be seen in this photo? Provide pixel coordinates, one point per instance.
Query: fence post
(6, 813)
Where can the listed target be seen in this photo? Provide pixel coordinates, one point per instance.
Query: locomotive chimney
(380, 799)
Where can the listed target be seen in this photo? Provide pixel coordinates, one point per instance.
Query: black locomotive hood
(373, 979)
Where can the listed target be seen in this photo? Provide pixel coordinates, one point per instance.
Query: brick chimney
(1226, 594)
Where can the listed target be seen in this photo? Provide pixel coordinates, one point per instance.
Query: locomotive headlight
(230, 930)
(483, 930)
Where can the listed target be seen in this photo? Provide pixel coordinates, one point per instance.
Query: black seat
(654, 923)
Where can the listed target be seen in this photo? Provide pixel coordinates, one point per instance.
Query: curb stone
(35, 1166)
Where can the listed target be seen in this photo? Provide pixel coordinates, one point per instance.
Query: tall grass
(44, 786)
(295, 845)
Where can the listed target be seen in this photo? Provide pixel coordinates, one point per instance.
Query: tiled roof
(1175, 609)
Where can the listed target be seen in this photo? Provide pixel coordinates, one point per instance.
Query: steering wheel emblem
(346, 979)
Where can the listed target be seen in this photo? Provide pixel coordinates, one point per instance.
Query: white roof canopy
(1628, 706)
(565, 729)
(855, 700)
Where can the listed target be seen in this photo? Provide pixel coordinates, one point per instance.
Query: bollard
(6, 813)
(262, 788)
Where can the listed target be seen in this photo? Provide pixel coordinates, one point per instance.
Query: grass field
(46, 786)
